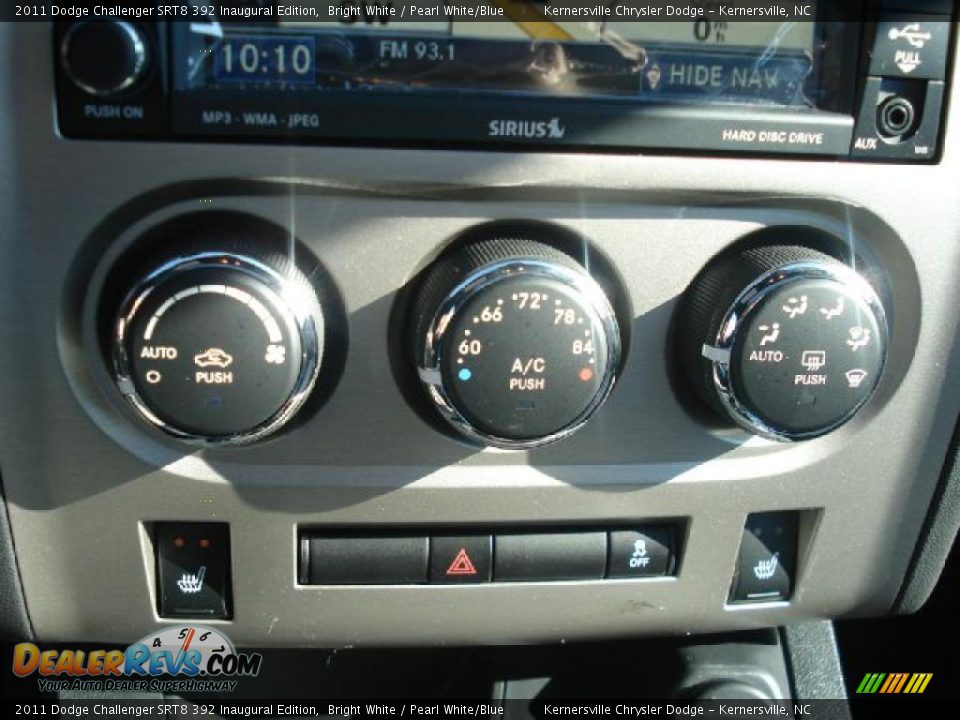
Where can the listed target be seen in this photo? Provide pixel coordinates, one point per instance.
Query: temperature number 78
(566, 316)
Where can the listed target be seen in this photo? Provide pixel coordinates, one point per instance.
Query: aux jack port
(896, 117)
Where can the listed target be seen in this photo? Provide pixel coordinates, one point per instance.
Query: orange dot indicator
(586, 374)
(179, 542)
(204, 543)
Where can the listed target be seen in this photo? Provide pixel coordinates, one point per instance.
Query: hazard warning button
(460, 558)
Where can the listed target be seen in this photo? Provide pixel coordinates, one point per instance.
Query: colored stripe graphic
(918, 683)
(891, 680)
(879, 682)
(870, 683)
(894, 683)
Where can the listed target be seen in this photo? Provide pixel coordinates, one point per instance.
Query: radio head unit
(537, 75)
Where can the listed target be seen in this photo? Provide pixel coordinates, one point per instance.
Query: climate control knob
(787, 341)
(219, 348)
(515, 343)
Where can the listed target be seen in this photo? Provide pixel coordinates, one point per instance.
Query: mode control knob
(515, 343)
(219, 348)
(787, 341)
(104, 57)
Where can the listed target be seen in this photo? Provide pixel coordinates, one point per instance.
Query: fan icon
(276, 354)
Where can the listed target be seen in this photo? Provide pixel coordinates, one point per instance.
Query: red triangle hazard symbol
(462, 564)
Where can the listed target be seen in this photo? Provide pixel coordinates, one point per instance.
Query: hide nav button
(460, 559)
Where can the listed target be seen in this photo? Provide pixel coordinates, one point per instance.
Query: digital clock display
(266, 58)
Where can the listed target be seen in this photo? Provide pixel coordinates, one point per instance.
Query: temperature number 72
(529, 300)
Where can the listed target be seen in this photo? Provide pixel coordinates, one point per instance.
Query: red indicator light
(586, 374)
(204, 543)
(179, 542)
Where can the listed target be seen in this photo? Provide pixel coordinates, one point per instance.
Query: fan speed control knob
(787, 341)
(219, 348)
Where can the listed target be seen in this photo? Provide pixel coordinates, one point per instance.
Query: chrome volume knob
(104, 57)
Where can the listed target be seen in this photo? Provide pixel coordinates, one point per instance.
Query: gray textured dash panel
(82, 474)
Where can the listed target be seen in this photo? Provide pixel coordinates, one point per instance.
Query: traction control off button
(640, 553)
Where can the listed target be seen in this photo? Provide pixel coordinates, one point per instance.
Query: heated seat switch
(766, 563)
(193, 569)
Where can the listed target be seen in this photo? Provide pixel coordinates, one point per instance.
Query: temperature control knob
(516, 344)
(219, 348)
(787, 341)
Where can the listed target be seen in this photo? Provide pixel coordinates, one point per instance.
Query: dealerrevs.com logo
(527, 129)
(203, 660)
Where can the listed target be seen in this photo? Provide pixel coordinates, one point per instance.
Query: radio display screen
(529, 54)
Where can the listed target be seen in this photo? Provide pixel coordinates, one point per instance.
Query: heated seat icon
(190, 583)
(766, 569)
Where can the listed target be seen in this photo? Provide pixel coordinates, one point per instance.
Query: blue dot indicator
(464, 374)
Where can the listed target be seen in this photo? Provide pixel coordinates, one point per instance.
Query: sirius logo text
(528, 129)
